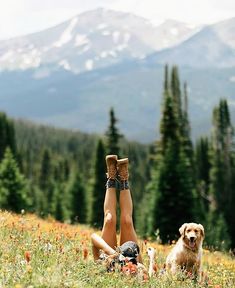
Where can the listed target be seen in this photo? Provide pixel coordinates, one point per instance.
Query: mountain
(213, 46)
(89, 41)
(69, 75)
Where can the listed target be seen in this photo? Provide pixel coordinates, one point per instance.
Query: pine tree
(63, 205)
(45, 171)
(169, 127)
(223, 167)
(175, 202)
(13, 186)
(46, 183)
(98, 187)
(186, 129)
(217, 235)
(7, 135)
(203, 166)
(77, 194)
(174, 197)
(176, 94)
(113, 135)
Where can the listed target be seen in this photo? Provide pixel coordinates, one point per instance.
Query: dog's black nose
(192, 239)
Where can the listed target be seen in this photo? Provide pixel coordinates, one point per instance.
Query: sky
(19, 17)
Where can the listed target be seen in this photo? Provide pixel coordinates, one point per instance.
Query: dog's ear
(183, 228)
(202, 230)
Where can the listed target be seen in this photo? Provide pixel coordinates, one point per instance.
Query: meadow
(46, 253)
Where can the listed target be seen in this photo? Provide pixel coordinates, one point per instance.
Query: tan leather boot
(111, 163)
(122, 166)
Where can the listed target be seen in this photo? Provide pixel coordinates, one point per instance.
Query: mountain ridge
(91, 40)
(56, 92)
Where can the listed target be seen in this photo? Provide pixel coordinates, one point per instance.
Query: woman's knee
(110, 219)
(126, 220)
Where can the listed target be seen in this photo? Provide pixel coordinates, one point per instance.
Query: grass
(39, 253)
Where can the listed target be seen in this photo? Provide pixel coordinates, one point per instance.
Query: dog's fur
(186, 254)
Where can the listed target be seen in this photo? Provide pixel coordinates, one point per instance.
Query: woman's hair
(129, 249)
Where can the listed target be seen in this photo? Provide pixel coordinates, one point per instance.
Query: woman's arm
(99, 243)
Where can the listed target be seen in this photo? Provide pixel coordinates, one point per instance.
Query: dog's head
(192, 234)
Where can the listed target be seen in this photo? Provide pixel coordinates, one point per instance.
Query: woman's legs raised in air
(109, 226)
(127, 231)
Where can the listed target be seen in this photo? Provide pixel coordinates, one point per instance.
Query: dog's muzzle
(192, 242)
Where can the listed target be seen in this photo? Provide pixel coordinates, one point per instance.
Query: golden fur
(187, 253)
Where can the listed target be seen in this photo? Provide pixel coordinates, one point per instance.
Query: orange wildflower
(85, 253)
(155, 268)
(145, 276)
(27, 256)
(129, 268)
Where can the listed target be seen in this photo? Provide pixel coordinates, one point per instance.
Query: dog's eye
(189, 230)
(196, 231)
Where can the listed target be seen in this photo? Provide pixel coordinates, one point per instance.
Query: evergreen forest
(61, 173)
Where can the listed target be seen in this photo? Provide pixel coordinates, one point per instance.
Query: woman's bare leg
(109, 226)
(127, 232)
(127, 227)
(110, 202)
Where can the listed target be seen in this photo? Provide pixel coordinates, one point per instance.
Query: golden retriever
(186, 254)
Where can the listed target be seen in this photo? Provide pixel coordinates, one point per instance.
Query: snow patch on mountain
(30, 46)
(121, 47)
(81, 39)
(127, 37)
(46, 48)
(89, 64)
(103, 54)
(31, 59)
(106, 33)
(232, 79)
(66, 36)
(174, 31)
(7, 56)
(84, 49)
(113, 53)
(116, 35)
(102, 26)
(65, 64)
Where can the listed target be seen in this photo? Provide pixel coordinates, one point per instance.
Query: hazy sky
(19, 17)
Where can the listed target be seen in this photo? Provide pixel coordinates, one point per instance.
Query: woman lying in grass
(128, 251)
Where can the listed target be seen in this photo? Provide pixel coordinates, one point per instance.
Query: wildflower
(61, 249)
(145, 276)
(85, 253)
(155, 268)
(27, 256)
(129, 268)
(48, 247)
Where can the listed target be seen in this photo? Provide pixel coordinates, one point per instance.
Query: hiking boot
(111, 163)
(122, 166)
